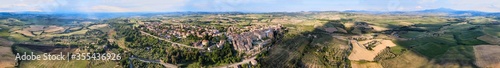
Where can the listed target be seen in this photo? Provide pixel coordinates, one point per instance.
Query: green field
(469, 38)
(458, 55)
(429, 46)
(397, 49)
(19, 37)
(492, 30)
(4, 32)
(412, 34)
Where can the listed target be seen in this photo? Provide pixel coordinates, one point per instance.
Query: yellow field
(378, 28)
(359, 52)
(359, 64)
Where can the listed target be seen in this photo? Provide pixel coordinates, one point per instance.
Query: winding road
(245, 61)
(184, 45)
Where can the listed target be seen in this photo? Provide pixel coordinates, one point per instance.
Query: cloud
(483, 5)
(147, 5)
(22, 5)
(105, 8)
(92, 5)
(419, 7)
(240, 5)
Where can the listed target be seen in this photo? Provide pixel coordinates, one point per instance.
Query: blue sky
(241, 5)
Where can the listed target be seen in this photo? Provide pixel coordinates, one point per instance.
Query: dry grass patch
(97, 26)
(378, 28)
(35, 28)
(408, 59)
(349, 25)
(7, 58)
(5, 42)
(111, 35)
(364, 64)
(487, 56)
(489, 39)
(121, 44)
(405, 23)
(25, 33)
(51, 29)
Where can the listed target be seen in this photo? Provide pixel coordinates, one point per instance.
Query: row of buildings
(243, 39)
(256, 37)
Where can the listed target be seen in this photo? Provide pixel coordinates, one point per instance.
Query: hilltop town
(242, 38)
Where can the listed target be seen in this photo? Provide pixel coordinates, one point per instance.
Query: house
(205, 42)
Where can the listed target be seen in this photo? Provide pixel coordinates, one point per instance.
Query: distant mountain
(454, 12)
(437, 11)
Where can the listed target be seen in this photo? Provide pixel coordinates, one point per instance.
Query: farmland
(266, 40)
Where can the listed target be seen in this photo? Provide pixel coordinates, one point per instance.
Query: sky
(241, 5)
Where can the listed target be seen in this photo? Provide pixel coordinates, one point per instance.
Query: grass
(411, 34)
(407, 59)
(481, 20)
(19, 37)
(429, 46)
(492, 30)
(105, 64)
(365, 64)
(297, 49)
(4, 31)
(469, 38)
(458, 55)
(121, 44)
(18, 49)
(397, 50)
(66, 34)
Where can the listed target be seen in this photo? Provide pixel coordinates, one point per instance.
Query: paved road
(156, 61)
(171, 41)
